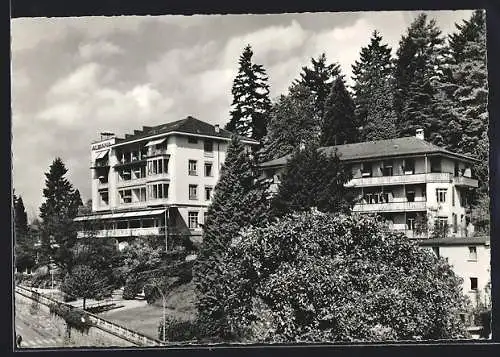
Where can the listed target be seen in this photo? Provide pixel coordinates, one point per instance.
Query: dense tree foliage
(24, 239)
(319, 277)
(313, 179)
(374, 91)
(84, 282)
(294, 121)
(239, 200)
(251, 103)
(58, 231)
(339, 123)
(319, 80)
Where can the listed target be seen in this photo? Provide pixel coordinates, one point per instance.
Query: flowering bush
(319, 277)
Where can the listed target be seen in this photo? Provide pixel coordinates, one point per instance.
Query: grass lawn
(145, 319)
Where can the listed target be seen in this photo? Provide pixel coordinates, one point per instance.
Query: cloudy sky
(75, 77)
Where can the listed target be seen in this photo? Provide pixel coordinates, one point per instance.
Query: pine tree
(313, 179)
(373, 91)
(58, 231)
(319, 80)
(419, 62)
(294, 121)
(251, 103)
(469, 31)
(338, 125)
(23, 242)
(239, 200)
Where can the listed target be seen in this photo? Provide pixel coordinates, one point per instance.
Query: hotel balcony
(133, 182)
(156, 152)
(400, 179)
(411, 233)
(125, 232)
(465, 181)
(158, 177)
(390, 207)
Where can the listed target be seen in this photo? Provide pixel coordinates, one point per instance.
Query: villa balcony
(133, 182)
(156, 152)
(125, 232)
(158, 177)
(390, 207)
(400, 179)
(463, 181)
(411, 233)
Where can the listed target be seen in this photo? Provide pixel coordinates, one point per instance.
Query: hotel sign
(103, 144)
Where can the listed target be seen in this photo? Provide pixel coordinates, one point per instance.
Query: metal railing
(400, 179)
(390, 206)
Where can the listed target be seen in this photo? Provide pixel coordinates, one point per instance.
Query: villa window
(410, 223)
(473, 253)
(193, 220)
(192, 140)
(104, 197)
(410, 196)
(409, 166)
(441, 195)
(473, 284)
(366, 169)
(442, 222)
(208, 193)
(435, 165)
(158, 166)
(208, 169)
(158, 191)
(193, 192)
(208, 147)
(142, 194)
(387, 168)
(192, 168)
(126, 196)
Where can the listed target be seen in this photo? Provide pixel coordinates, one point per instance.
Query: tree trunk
(84, 303)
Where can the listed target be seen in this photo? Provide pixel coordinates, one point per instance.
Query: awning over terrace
(102, 154)
(153, 212)
(155, 142)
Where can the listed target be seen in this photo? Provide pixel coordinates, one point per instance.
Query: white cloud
(81, 80)
(99, 48)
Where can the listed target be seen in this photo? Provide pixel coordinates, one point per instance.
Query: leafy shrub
(75, 318)
(133, 286)
(322, 277)
(179, 331)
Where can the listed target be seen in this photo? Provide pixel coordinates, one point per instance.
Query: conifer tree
(58, 231)
(313, 179)
(251, 103)
(419, 62)
(373, 91)
(239, 200)
(338, 125)
(319, 80)
(23, 241)
(294, 121)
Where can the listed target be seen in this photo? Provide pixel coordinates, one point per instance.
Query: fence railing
(102, 324)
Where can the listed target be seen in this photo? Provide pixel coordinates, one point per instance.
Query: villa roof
(379, 149)
(188, 125)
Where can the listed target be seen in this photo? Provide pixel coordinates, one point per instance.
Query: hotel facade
(409, 178)
(157, 181)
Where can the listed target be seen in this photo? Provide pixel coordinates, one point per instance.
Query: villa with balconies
(157, 181)
(405, 180)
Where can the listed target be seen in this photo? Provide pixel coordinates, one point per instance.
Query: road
(36, 334)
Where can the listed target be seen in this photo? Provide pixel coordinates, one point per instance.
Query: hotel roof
(378, 149)
(189, 125)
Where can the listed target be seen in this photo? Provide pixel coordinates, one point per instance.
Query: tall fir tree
(294, 121)
(251, 103)
(374, 92)
(319, 80)
(313, 179)
(419, 61)
(24, 249)
(239, 200)
(58, 231)
(338, 124)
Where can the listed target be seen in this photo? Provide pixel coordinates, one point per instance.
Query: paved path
(35, 335)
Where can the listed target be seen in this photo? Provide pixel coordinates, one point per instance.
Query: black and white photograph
(292, 178)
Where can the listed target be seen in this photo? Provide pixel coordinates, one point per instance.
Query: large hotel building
(157, 181)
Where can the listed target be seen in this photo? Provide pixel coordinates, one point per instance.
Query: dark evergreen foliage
(251, 103)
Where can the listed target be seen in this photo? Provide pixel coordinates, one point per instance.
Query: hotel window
(104, 197)
(193, 220)
(205, 216)
(125, 175)
(409, 166)
(208, 147)
(208, 169)
(142, 194)
(387, 168)
(193, 192)
(473, 253)
(158, 191)
(410, 223)
(158, 166)
(441, 195)
(125, 196)
(208, 193)
(442, 222)
(410, 195)
(366, 169)
(192, 140)
(192, 168)
(436, 251)
(473, 284)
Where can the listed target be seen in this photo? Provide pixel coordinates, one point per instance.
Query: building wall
(458, 257)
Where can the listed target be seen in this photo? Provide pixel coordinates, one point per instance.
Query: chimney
(217, 128)
(420, 134)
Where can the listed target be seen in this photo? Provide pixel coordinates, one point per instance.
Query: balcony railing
(156, 177)
(399, 179)
(390, 207)
(465, 181)
(124, 232)
(411, 233)
(132, 182)
(156, 152)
